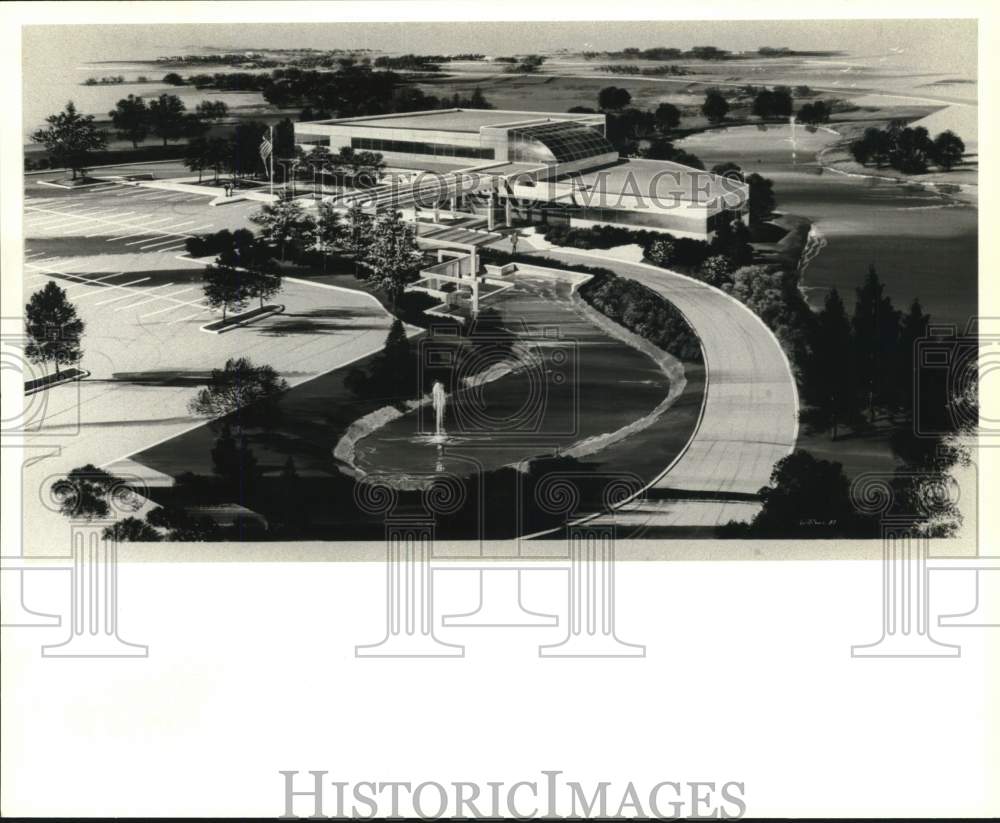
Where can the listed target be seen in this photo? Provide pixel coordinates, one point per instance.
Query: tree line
(909, 150)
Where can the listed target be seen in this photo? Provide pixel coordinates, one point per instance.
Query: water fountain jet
(439, 399)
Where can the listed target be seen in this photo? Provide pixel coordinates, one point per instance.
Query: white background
(748, 677)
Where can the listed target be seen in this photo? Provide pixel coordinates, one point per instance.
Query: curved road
(750, 414)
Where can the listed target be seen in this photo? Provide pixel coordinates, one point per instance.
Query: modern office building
(548, 167)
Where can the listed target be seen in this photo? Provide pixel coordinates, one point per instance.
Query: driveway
(750, 415)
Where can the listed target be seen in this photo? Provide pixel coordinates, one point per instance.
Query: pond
(922, 243)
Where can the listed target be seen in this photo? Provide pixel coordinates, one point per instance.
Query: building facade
(553, 166)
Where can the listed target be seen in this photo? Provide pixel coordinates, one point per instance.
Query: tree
(132, 530)
(661, 252)
(948, 150)
(830, 376)
(359, 233)
(392, 374)
(218, 155)
(661, 149)
(875, 327)
(234, 461)
(478, 100)
(730, 170)
(225, 287)
(85, 492)
(814, 113)
(668, 117)
(244, 148)
(762, 201)
(166, 117)
(717, 271)
(130, 118)
(360, 167)
(284, 222)
(329, 228)
(320, 161)
(393, 255)
(173, 79)
(212, 110)
(182, 526)
(807, 497)
(732, 239)
(53, 328)
(196, 158)
(912, 328)
(193, 127)
(242, 387)
(772, 103)
(613, 98)
(70, 138)
(715, 108)
(263, 273)
(284, 139)
(910, 150)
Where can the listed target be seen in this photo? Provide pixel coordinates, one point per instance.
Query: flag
(266, 147)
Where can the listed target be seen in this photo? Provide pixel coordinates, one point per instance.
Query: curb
(240, 323)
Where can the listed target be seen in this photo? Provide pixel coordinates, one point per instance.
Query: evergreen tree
(913, 327)
(234, 462)
(830, 383)
(53, 328)
(875, 328)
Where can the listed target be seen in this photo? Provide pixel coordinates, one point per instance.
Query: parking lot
(117, 250)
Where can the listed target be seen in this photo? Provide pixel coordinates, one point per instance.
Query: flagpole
(271, 158)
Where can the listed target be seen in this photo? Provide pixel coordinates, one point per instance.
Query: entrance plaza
(531, 166)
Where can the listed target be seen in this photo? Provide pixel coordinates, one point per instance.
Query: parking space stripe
(172, 296)
(123, 214)
(158, 243)
(120, 225)
(189, 317)
(61, 270)
(109, 287)
(148, 223)
(90, 282)
(125, 296)
(147, 299)
(47, 214)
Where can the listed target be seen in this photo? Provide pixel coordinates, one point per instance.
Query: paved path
(750, 415)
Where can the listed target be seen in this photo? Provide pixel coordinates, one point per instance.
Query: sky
(940, 44)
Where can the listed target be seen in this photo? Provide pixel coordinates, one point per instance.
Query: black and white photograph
(363, 356)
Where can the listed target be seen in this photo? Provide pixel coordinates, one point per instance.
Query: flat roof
(467, 120)
(654, 178)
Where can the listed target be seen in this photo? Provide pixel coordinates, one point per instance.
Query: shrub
(644, 312)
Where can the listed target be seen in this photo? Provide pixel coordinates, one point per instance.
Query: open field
(114, 249)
